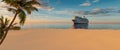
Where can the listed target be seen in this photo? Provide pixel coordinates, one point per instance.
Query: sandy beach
(62, 39)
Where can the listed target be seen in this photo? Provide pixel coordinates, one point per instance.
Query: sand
(62, 39)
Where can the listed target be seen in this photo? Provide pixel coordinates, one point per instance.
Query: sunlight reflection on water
(70, 26)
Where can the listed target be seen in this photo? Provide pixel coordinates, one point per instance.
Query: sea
(70, 26)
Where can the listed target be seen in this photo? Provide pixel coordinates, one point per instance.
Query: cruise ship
(80, 22)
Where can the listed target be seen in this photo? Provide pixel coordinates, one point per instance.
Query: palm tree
(4, 22)
(19, 8)
(3, 25)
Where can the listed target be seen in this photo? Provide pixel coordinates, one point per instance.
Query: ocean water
(70, 26)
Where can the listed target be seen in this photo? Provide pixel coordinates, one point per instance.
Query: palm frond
(10, 2)
(34, 8)
(14, 24)
(22, 17)
(3, 25)
(1, 33)
(32, 2)
(6, 22)
(28, 6)
(27, 9)
(2, 21)
(30, 9)
(12, 10)
(19, 6)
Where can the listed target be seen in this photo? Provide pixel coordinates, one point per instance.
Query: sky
(65, 10)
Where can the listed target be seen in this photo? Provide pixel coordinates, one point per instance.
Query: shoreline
(65, 29)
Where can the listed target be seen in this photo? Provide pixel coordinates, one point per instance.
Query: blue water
(69, 26)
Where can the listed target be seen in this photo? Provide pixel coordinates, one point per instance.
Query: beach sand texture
(62, 39)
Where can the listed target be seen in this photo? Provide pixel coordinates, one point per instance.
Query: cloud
(3, 5)
(98, 11)
(95, 11)
(81, 13)
(3, 9)
(95, 1)
(62, 12)
(44, 6)
(118, 11)
(49, 8)
(87, 3)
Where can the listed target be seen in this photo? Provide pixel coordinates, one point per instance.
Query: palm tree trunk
(6, 32)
